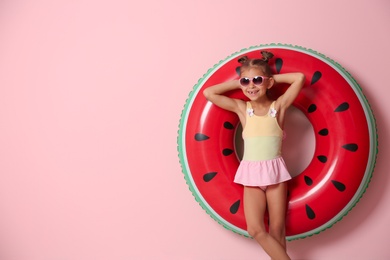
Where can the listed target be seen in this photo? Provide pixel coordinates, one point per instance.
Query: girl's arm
(296, 81)
(215, 95)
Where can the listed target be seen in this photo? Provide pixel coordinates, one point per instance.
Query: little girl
(262, 170)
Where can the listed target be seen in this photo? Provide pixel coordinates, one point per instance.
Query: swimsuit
(262, 164)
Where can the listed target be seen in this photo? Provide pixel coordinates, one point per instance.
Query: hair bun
(266, 55)
(243, 59)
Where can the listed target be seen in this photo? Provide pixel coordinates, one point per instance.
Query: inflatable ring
(345, 143)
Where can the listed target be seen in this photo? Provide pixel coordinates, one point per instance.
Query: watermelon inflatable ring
(345, 143)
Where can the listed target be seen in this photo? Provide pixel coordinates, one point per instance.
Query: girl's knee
(256, 231)
(279, 225)
(277, 229)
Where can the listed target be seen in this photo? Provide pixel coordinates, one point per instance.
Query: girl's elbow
(301, 77)
(207, 93)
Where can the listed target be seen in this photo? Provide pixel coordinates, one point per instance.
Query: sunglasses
(258, 80)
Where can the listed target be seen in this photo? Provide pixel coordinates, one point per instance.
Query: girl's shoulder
(241, 103)
(276, 104)
(242, 106)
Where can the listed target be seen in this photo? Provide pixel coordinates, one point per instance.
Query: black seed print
(209, 176)
(278, 64)
(323, 132)
(342, 107)
(238, 70)
(322, 158)
(227, 151)
(316, 77)
(234, 207)
(312, 108)
(310, 213)
(308, 180)
(201, 137)
(351, 147)
(228, 125)
(339, 186)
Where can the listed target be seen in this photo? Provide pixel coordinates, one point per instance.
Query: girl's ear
(271, 82)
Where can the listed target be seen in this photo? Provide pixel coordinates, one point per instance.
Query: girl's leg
(277, 204)
(254, 209)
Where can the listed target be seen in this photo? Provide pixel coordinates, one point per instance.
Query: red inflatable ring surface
(345, 143)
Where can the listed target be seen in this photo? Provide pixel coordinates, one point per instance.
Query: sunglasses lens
(257, 80)
(244, 81)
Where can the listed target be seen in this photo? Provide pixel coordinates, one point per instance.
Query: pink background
(91, 94)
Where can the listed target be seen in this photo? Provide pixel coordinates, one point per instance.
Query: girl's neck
(261, 102)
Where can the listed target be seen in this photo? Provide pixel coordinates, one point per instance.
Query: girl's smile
(253, 92)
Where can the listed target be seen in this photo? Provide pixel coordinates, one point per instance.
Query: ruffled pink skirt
(262, 173)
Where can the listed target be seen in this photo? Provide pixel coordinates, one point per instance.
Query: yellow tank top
(262, 135)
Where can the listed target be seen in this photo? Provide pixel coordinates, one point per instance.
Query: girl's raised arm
(215, 95)
(296, 81)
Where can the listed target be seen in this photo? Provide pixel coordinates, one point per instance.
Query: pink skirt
(262, 173)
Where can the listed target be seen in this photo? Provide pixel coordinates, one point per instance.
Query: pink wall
(91, 94)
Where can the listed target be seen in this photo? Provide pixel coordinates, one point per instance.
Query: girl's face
(254, 83)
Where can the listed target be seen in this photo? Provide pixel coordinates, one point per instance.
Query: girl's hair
(262, 63)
